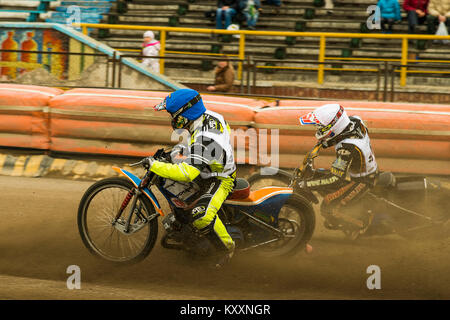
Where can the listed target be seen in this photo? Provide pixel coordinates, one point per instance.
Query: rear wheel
(103, 235)
(297, 221)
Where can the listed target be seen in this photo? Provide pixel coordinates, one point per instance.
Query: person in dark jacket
(390, 13)
(226, 10)
(417, 13)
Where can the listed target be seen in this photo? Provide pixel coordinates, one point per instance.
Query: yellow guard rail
(241, 55)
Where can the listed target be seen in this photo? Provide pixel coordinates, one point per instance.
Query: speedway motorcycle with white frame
(118, 217)
(412, 206)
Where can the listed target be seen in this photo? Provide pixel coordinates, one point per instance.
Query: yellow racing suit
(210, 162)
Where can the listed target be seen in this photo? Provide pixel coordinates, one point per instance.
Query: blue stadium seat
(92, 11)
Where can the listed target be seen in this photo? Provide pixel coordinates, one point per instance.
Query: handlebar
(307, 167)
(160, 154)
(136, 164)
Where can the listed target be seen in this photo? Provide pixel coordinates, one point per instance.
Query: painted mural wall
(63, 67)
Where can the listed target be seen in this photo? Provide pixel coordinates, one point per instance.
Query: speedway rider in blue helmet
(352, 174)
(209, 164)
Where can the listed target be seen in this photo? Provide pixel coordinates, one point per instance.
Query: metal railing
(322, 36)
(396, 68)
(376, 69)
(208, 58)
(250, 69)
(46, 55)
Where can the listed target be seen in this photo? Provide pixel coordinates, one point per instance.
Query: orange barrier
(239, 113)
(409, 134)
(235, 110)
(376, 115)
(103, 121)
(123, 122)
(362, 104)
(24, 115)
(405, 137)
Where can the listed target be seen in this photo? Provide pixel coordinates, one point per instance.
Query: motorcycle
(118, 217)
(411, 206)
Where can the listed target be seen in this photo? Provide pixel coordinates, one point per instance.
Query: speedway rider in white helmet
(352, 174)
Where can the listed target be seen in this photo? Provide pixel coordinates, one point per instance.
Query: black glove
(301, 184)
(179, 149)
(147, 162)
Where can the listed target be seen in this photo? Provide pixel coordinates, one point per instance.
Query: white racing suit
(210, 169)
(351, 176)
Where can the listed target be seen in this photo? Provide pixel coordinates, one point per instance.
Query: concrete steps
(347, 17)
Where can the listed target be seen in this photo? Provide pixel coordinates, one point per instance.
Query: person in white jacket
(150, 48)
(438, 11)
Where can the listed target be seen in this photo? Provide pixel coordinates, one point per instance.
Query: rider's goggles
(178, 121)
(160, 106)
(322, 129)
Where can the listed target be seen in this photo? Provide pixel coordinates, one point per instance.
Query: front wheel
(297, 221)
(104, 235)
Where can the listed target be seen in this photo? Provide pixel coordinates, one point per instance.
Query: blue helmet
(184, 105)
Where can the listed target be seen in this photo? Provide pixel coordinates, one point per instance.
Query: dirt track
(39, 239)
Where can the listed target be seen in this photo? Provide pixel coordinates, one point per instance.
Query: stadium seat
(295, 15)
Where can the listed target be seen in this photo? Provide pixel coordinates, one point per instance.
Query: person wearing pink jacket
(150, 48)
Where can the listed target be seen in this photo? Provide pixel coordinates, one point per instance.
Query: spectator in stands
(329, 6)
(224, 74)
(439, 11)
(251, 9)
(226, 10)
(390, 13)
(150, 48)
(417, 12)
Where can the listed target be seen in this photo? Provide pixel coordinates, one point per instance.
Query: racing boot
(224, 258)
(356, 230)
(367, 222)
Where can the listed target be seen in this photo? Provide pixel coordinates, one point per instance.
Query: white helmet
(330, 120)
(149, 34)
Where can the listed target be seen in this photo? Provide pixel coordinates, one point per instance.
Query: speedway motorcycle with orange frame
(118, 217)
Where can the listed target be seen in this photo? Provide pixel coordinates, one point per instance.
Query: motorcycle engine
(171, 224)
(183, 237)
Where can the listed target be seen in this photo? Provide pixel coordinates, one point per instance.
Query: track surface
(39, 240)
